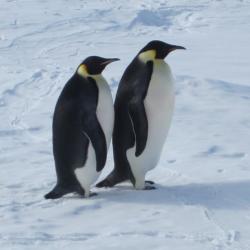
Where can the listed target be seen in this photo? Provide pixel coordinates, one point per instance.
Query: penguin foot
(149, 188)
(105, 183)
(52, 195)
(149, 182)
(93, 194)
(111, 180)
(79, 190)
(57, 192)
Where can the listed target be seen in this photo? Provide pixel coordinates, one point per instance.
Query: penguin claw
(93, 194)
(149, 188)
(150, 182)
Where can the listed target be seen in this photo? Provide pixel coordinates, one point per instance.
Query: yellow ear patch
(83, 71)
(147, 55)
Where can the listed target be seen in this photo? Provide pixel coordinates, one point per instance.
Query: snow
(202, 199)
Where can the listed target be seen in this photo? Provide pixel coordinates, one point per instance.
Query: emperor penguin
(144, 107)
(82, 128)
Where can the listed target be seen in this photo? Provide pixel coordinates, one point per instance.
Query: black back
(74, 125)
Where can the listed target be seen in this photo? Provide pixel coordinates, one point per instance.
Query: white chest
(105, 109)
(159, 104)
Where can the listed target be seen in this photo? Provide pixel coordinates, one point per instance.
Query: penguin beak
(174, 47)
(110, 60)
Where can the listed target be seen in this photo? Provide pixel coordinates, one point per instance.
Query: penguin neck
(82, 71)
(156, 62)
(162, 66)
(159, 62)
(146, 56)
(150, 55)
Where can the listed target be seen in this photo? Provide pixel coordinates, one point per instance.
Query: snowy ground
(203, 178)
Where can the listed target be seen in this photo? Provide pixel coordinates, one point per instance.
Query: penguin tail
(111, 180)
(57, 192)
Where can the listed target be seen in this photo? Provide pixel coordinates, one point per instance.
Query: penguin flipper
(93, 130)
(139, 120)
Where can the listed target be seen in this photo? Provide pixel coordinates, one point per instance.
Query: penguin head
(94, 65)
(156, 50)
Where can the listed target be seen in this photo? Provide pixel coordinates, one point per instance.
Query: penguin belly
(159, 106)
(87, 174)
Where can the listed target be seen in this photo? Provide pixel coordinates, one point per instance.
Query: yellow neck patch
(82, 70)
(147, 56)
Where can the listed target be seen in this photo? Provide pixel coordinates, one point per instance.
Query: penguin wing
(136, 107)
(93, 130)
(139, 120)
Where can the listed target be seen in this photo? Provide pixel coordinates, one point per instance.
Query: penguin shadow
(217, 195)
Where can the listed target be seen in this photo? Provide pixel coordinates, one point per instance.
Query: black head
(94, 65)
(159, 49)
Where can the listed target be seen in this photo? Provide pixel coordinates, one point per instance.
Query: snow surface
(203, 179)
